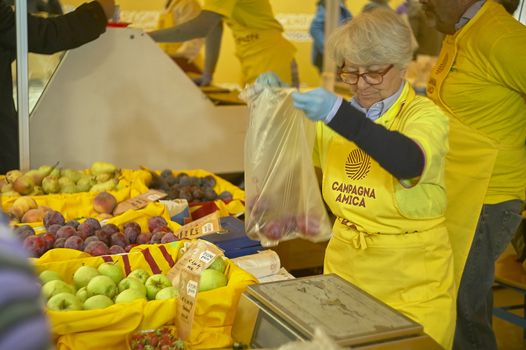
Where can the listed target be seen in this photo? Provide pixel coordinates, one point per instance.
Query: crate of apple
(92, 237)
(99, 287)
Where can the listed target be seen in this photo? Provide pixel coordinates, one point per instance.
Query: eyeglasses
(372, 78)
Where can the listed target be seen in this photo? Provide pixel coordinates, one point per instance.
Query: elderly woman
(382, 159)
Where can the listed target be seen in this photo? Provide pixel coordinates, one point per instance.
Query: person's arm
(398, 154)
(212, 49)
(198, 27)
(317, 29)
(23, 323)
(50, 35)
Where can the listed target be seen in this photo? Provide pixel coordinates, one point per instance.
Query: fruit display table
(107, 324)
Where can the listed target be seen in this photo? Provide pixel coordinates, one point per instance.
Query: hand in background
(317, 104)
(108, 6)
(270, 79)
(203, 80)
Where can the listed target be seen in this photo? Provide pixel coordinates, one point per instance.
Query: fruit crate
(110, 328)
(233, 205)
(80, 204)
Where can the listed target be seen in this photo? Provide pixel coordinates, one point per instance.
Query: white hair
(375, 37)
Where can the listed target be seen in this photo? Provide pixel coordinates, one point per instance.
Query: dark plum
(118, 238)
(85, 230)
(97, 248)
(116, 249)
(169, 237)
(93, 223)
(144, 238)
(66, 232)
(73, 223)
(88, 240)
(53, 217)
(54, 228)
(110, 228)
(74, 242)
(34, 245)
(59, 243)
(155, 222)
(49, 238)
(131, 233)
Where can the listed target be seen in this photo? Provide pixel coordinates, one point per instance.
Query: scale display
(346, 313)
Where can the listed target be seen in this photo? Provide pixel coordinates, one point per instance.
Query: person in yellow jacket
(259, 42)
(382, 161)
(480, 81)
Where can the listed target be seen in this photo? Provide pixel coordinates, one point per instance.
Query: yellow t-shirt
(258, 36)
(424, 123)
(486, 90)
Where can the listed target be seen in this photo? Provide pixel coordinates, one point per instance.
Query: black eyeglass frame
(345, 76)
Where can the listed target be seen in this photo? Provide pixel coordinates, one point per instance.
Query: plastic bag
(283, 199)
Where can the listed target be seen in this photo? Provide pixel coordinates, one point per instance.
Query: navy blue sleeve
(396, 153)
(53, 34)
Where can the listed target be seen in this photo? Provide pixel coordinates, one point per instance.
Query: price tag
(207, 257)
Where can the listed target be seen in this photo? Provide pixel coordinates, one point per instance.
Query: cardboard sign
(185, 276)
(204, 226)
(138, 202)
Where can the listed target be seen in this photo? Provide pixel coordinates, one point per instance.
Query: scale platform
(272, 314)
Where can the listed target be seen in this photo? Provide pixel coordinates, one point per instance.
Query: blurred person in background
(45, 36)
(479, 80)
(23, 322)
(259, 42)
(317, 30)
(382, 158)
(428, 38)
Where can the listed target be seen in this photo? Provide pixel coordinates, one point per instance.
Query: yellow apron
(469, 165)
(403, 262)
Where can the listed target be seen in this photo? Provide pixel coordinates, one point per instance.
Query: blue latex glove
(204, 80)
(270, 79)
(316, 104)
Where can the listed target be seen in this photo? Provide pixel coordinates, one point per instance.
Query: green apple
(112, 270)
(48, 275)
(132, 283)
(155, 283)
(211, 279)
(167, 293)
(218, 264)
(55, 287)
(140, 274)
(102, 285)
(97, 302)
(64, 301)
(83, 275)
(129, 295)
(82, 294)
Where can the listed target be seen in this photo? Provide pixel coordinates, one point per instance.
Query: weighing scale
(272, 314)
